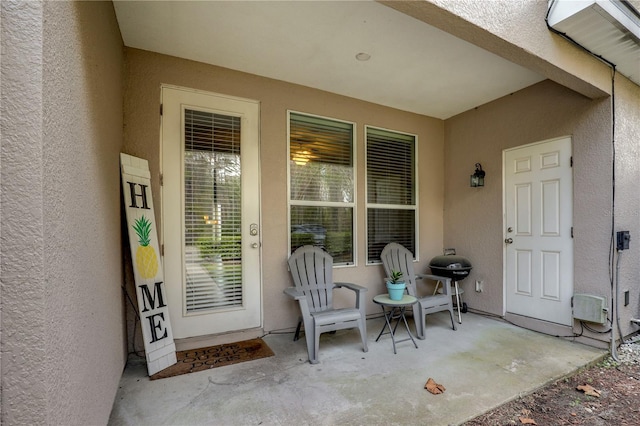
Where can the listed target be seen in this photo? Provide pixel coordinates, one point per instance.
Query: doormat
(201, 359)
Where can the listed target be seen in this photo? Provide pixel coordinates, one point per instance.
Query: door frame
(504, 220)
(245, 224)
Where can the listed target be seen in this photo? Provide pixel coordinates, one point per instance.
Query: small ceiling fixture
(362, 56)
(301, 157)
(477, 178)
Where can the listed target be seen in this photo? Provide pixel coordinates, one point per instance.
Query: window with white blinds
(321, 185)
(212, 211)
(391, 191)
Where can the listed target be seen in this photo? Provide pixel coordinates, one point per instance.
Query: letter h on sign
(142, 195)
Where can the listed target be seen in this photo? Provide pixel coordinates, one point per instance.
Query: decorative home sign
(147, 269)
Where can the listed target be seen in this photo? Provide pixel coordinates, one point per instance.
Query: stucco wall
(62, 309)
(516, 31)
(474, 215)
(145, 72)
(21, 216)
(627, 195)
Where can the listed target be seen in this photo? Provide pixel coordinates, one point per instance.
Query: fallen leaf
(589, 390)
(433, 387)
(527, 421)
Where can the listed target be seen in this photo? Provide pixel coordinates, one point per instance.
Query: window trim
(352, 205)
(416, 183)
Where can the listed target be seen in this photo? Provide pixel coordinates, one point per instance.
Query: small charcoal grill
(451, 266)
(455, 267)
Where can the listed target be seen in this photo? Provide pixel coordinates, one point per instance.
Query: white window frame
(351, 205)
(414, 207)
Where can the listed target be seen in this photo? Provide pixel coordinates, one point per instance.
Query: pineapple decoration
(146, 259)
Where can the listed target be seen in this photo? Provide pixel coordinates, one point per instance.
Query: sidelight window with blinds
(391, 190)
(322, 185)
(212, 211)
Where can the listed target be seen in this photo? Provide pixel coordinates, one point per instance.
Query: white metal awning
(608, 28)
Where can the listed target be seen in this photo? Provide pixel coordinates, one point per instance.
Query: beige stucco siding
(474, 222)
(473, 217)
(146, 71)
(627, 195)
(82, 112)
(62, 313)
(21, 217)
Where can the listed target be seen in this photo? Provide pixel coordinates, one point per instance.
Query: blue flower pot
(396, 291)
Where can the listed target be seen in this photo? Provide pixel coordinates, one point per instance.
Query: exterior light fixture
(477, 178)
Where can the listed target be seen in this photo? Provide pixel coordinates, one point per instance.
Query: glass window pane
(316, 181)
(386, 226)
(212, 211)
(321, 159)
(327, 227)
(390, 168)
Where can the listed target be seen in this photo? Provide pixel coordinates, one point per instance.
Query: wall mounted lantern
(477, 178)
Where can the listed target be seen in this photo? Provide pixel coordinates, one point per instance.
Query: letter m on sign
(147, 269)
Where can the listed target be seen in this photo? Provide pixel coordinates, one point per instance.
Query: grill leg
(458, 302)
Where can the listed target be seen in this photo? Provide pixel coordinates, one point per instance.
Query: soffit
(413, 67)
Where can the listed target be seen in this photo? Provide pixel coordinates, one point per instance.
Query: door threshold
(217, 339)
(539, 325)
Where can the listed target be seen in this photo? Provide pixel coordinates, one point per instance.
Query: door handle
(254, 245)
(508, 240)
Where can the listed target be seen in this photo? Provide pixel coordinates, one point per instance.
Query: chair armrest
(351, 286)
(446, 282)
(294, 293)
(360, 291)
(435, 278)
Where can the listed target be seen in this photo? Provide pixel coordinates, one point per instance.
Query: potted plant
(396, 285)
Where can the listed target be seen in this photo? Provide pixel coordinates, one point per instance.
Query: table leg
(397, 313)
(406, 326)
(387, 324)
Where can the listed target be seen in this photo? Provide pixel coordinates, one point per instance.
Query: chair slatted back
(312, 272)
(396, 257)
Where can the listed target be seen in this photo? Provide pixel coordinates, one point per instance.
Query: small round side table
(396, 312)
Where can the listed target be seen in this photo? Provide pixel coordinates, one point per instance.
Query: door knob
(508, 240)
(254, 245)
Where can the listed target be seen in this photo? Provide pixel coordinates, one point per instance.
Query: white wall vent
(589, 308)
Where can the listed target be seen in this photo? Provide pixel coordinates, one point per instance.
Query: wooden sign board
(147, 267)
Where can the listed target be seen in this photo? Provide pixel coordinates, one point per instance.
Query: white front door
(210, 212)
(538, 226)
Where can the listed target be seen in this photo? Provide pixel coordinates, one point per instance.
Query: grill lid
(450, 262)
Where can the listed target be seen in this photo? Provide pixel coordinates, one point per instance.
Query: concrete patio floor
(483, 364)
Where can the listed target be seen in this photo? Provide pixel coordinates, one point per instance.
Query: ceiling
(412, 67)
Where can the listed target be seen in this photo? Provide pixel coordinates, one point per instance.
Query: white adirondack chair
(396, 257)
(312, 272)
